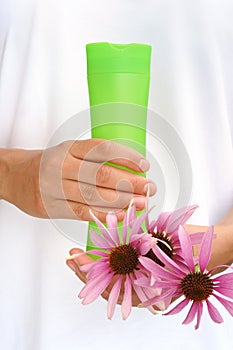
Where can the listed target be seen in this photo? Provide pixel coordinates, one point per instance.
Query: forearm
(222, 247)
(224, 239)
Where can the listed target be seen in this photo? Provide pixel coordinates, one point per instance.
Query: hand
(67, 180)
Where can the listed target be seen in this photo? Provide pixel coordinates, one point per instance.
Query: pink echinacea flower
(191, 281)
(119, 264)
(163, 234)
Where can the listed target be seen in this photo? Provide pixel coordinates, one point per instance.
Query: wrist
(223, 244)
(16, 174)
(4, 173)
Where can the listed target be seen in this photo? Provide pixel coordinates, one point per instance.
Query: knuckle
(134, 182)
(105, 148)
(88, 193)
(101, 215)
(79, 211)
(55, 162)
(123, 201)
(137, 183)
(128, 183)
(103, 174)
(66, 144)
(62, 144)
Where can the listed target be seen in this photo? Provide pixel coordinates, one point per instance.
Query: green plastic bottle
(118, 82)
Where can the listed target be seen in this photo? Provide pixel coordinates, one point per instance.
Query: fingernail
(151, 187)
(140, 202)
(71, 265)
(144, 164)
(120, 215)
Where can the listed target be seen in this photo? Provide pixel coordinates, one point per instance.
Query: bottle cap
(105, 57)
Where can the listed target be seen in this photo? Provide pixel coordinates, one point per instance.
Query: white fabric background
(42, 84)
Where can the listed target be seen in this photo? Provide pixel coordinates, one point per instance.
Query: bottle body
(119, 98)
(118, 87)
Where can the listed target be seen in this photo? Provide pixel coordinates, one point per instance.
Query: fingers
(99, 196)
(73, 180)
(75, 210)
(90, 184)
(78, 261)
(83, 197)
(82, 259)
(107, 176)
(98, 150)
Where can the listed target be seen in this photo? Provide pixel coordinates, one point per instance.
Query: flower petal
(225, 280)
(179, 217)
(146, 244)
(157, 270)
(142, 281)
(166, 284)
(226, 303)
(179, 307)
(87, 267)
(113, 297)
(136, 237)
(142, 296)
(145, 283)
(127, 299)
(152, 226)
(186, 247)
(213, 312)
(147, 202)
(199, 314)
(215, 268)
(97, 252)
(162, 221)
(227, 292)
(180, 270)
(196, 237)
(130, 216)
(94, 265)
(111, 220)
(141, 292)
(88, 286)
(191, 314)
(163, 305)
(95, 271)
(205, 249)
(95, 287)
(137, 223)
(93, 251)
(151, 292)
(98, 240)
(97, 291)
(164, 295)
(103, 229)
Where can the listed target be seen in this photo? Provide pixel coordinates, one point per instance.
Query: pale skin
(68, 180)
(222, 252)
